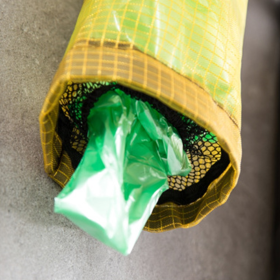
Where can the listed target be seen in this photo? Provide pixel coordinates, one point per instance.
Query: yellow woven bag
(186, 54)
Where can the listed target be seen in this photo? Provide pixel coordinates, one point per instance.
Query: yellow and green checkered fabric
(185, 53)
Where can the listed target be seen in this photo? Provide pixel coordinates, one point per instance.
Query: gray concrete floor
(233, 242)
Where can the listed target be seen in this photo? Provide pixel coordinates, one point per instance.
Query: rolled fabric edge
(134, 69)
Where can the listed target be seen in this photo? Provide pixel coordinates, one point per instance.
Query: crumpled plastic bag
(131, 151)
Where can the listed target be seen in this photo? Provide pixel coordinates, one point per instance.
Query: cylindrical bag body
(184, 53)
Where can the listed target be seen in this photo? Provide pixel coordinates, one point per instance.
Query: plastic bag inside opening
(131, 151)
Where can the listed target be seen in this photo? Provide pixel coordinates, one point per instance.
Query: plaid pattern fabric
(185, 53)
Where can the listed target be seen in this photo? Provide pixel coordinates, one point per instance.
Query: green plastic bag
(123, 172)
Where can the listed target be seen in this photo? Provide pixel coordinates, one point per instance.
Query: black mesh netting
(206, 156)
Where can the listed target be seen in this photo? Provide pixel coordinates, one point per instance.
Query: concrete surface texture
(233, 242)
